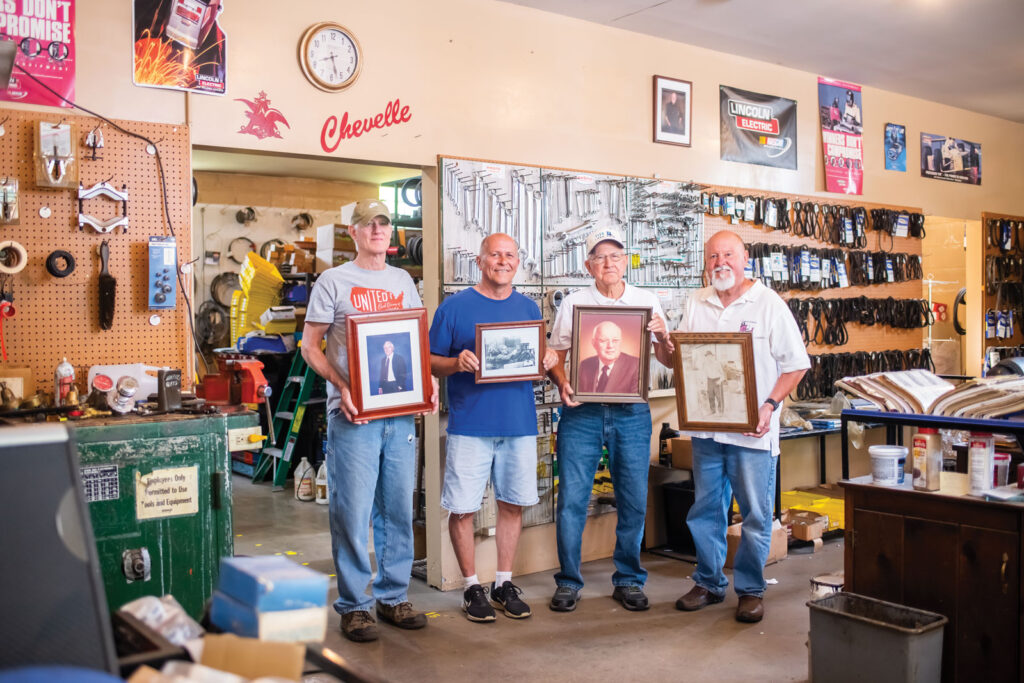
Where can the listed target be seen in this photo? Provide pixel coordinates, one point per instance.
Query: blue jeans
(626, 430)
(719, 471)
(370, 472)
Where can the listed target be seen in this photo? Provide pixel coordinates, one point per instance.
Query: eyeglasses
(608, 258)
(33, 47)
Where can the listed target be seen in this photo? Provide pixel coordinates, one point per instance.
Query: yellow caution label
(297, 422)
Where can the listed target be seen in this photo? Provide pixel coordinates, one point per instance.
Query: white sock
(501, 577)
(470, 580)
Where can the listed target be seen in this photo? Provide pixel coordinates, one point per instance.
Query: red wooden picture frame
(363, 388)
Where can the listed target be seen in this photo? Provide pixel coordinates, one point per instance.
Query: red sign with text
(334, 131)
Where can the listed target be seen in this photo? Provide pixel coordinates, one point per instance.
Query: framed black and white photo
(510, 352)
(673, 109)
(611, 352)
(389, 363)
(716, 390)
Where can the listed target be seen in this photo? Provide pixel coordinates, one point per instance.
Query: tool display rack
(550, 212)
(1005, 346)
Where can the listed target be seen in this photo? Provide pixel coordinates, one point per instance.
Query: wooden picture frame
(405, 387)
(628, 380)
(510, 352)
(716, 388)
(673, 111)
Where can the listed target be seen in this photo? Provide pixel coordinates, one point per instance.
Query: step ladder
(301, 389)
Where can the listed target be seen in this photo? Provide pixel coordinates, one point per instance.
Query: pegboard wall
(59, 317)
(862, 338)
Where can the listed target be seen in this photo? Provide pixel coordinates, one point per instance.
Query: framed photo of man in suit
(611, 354)
(389, 363)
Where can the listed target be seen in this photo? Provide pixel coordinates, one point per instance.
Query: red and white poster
(45, 34)
(842, 126)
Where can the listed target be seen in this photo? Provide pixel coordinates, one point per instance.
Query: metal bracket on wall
(103, 189)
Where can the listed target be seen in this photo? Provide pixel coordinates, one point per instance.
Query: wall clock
(329, 56)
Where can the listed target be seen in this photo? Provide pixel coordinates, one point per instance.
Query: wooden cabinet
(957, 556)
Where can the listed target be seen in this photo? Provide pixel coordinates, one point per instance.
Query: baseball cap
(368, 209)
(603, 235)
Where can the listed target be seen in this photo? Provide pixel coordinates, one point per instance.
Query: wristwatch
(773, 403)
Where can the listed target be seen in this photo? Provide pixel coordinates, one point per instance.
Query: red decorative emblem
(263, 118)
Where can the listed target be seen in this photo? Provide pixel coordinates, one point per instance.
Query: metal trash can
(857, 638)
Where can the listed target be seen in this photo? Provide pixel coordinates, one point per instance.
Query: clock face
(329, 56)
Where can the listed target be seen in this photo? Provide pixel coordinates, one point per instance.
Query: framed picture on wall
(611, 354)
(673, 109)
(389, 363)
(715, 385)
(510, 352)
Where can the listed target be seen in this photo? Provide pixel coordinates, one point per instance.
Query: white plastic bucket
(887, 464)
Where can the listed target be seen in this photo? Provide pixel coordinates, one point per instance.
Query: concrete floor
(600, 640)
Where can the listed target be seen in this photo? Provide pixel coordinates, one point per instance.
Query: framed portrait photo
(673, 110)
(389, 363)
(510, 352)
(611, 354)
(716, 389)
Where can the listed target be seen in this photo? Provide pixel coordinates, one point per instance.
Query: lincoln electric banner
(758, 129)
(179, 45)
(952, 159)
(841, 128)
(45, 35)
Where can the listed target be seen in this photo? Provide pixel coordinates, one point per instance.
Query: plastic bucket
(887, 464)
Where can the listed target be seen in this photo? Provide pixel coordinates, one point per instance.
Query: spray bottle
(63, 380)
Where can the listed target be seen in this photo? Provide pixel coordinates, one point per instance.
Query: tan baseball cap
(604, 235)
(368, 209)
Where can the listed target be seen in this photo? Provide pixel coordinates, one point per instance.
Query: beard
(723, 279)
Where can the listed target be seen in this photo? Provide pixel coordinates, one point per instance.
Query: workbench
(158, 490)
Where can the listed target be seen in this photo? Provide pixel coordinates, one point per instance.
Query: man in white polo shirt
(625, 428)
(742, 464)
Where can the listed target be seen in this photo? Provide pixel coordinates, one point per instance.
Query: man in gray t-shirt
(370, 464)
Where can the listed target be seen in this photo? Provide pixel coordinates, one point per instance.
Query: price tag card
(902, 225)
(844, 281)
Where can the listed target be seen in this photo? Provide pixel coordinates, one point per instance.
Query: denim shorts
(510, 462)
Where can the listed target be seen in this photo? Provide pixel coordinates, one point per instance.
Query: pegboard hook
(60, 123)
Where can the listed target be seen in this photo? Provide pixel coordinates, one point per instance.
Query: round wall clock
(329, 56)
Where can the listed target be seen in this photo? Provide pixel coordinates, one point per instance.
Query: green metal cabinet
(159, 495)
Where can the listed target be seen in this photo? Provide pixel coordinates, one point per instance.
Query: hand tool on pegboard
(108, 289)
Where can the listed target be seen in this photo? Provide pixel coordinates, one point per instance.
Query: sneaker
(474, 604)
(631, 597)
(402, 615)
(564, 599)
(506, 598)
(359, 626)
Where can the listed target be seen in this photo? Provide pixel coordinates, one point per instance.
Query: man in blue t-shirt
(492, 428)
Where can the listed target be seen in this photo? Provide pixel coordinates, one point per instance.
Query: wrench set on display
(550, 213)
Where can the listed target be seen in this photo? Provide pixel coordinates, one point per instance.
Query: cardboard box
(682, 453)
(328, 258)
(252, 658)
(806, 525)
(778, 549)
(334, 236)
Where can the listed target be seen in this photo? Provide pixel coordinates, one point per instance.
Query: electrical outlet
(239, 439)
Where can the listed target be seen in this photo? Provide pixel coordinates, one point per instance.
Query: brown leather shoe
(698, 598)
(402, 615)
(359, 626)
(750, 610)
